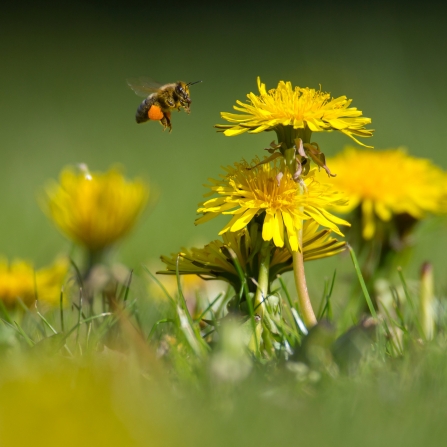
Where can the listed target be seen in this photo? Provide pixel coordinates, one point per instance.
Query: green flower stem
(286, 137)
(304, 303)
(263, 279)
(244, 289)
(305, 306)
(94, 257)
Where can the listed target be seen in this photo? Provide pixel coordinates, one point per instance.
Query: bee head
(182, 91)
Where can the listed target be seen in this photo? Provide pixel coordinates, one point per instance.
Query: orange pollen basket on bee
(155, 113)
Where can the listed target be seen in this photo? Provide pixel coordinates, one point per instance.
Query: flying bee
(160, 100)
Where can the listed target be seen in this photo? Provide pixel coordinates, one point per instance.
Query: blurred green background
(64, 100)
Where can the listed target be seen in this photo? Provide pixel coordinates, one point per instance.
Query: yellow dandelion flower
(388, 183)
(247, 191)
(96, 209)
(300, 108)
(19, 280)
(215, 262)
(16, 281)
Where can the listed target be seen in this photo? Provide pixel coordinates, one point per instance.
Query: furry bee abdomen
(142, 112)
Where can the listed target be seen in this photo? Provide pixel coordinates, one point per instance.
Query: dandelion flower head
(19, 280)
(214, 261)
(95, 209)
(298, 107)
(387, 183)
(250, 190)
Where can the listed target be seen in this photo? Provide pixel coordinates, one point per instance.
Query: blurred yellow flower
(95, 209)
(247, 191)
(19, 280)
(214, 261)
(387, 183)
(297, 107)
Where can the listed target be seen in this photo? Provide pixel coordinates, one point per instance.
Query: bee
(160, 100)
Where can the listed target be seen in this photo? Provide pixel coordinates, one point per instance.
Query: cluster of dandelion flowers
(95, 209)
(19, 280)
(300, 108)
(261, 189)
(215, 261)
(387, 183)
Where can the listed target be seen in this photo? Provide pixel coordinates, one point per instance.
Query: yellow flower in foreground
(298, 107)
(387, 183)
(214, 261)
(19, 280)
(247, 191)
(95, 209)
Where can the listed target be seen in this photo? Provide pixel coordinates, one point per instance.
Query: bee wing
(143, 86)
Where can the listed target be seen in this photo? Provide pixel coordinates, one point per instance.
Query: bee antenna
(192, 83)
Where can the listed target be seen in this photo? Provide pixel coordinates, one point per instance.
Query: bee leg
(166, 121)
(170, 102)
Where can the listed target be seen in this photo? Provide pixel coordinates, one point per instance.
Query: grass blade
(362, 282)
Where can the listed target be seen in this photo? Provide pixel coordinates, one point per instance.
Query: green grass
(167, 393)
(137, 371)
